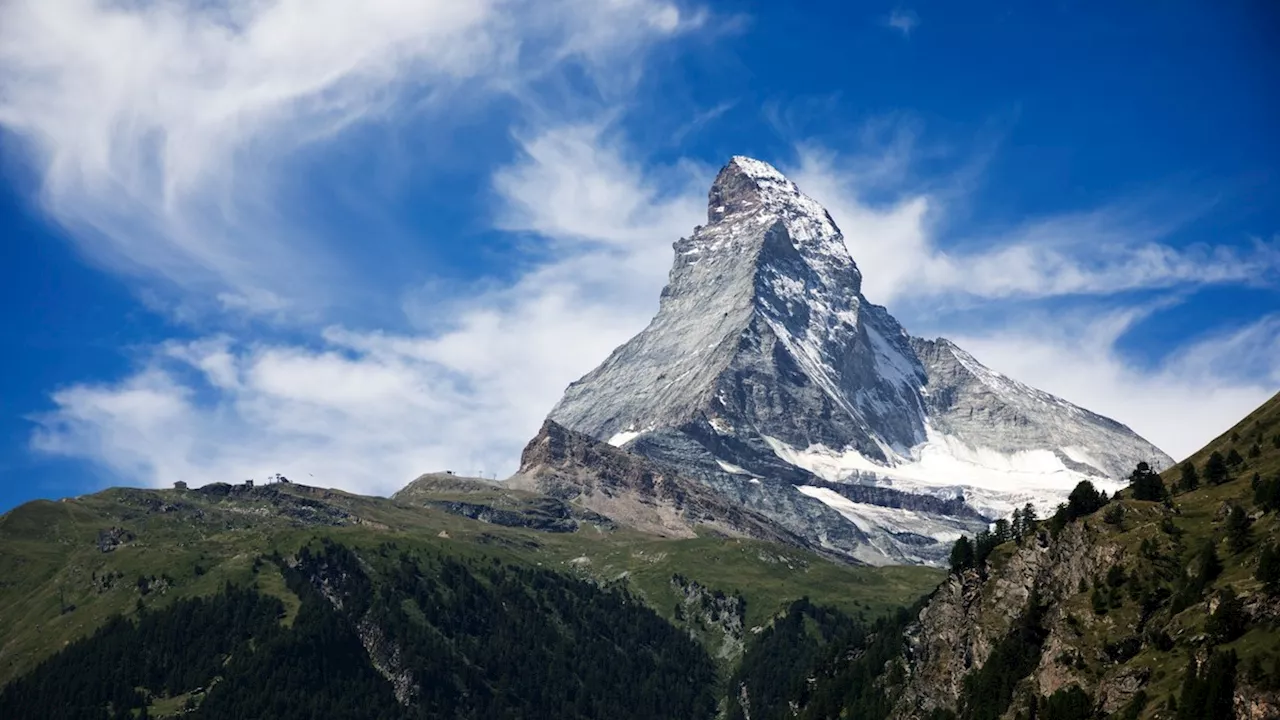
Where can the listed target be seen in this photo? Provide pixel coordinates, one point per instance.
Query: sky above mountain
(354, 242)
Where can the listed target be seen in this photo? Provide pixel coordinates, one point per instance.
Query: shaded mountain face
(768, 377)
(632, 489)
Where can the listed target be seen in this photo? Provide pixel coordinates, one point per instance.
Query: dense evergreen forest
(821, 662)
(450, 638)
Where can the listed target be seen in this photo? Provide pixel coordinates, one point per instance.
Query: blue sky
(352, 242)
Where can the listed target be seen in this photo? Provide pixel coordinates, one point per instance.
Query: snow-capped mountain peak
(768, 375)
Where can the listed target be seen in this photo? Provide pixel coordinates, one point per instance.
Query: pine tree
(1268, 572)
(1084, 499)
(1099, 601)
(1030, 521)
(1146, 483)
(1208, 565)
(983, 544)
(1238, 530)
(1208, 691)
(1266, 494)
(1215, 469)
(1234, 459)
(1190, 478)
(961, 555)
(1001, 533)
(1229, 619)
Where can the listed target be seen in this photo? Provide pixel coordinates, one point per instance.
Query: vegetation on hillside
(459, 640)
(821, 661)
(1192, 603)
(123, 558)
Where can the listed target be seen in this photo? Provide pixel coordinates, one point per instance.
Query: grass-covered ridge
(68, 566)
(1184, 609)
(383, 633)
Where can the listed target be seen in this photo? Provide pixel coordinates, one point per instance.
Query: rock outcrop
(631, 490)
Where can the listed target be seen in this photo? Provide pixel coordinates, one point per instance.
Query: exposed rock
(630, 489)
(715, 610)
(111, 538)
(546, 515)
(387, 658)
(1116, 691)
(966, 400)
(1253, 704)
(340, 589)
(970, 613)
(766, 370)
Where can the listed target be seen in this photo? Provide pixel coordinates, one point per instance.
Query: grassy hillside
(1126, 597)
(67, 566)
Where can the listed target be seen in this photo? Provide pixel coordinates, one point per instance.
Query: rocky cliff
(632, 490)
(1124, 600)
(766, 373)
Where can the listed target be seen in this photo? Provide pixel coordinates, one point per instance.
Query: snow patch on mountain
(991, 482)
(731, 468)
(887, 527)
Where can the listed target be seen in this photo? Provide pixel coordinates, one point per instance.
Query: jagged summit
(767, 374)
(766, 290)
(745, 184)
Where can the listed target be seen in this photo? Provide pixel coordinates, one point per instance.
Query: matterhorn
(769, 380)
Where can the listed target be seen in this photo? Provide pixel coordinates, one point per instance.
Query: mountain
(457, 597)
(1162, 603)
(767, 376)
(633, 490)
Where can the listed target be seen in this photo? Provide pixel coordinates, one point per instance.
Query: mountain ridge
(766, 374)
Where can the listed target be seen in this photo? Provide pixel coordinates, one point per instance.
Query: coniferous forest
(453, 638)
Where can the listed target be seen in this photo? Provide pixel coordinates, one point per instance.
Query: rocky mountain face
(767, 376)
(966, 400)
(632, 490)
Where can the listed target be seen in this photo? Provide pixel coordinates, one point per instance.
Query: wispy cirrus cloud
(165, 134)
(907, 257)
(166, 137)
(903, 20)
(367, 410)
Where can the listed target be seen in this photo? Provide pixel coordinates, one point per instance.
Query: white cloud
(162, 130)
(903, 21)
(370, 411)
(1096, 252)
(1180, 404)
